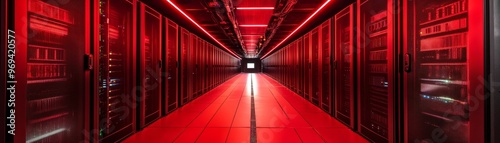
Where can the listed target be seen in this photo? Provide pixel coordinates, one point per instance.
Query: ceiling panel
(252, 30)
(253, 16)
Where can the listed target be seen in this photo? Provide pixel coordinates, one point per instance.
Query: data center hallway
(247, 108)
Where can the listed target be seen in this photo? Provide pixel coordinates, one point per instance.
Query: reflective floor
(248, 108)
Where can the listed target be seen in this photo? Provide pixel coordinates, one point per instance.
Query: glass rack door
(115, 76)
(55, 90)
(345, 72)
(445, 43)
(375, 50)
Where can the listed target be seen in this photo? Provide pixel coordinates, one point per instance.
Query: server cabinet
(443, 63)
(185, 72)
(115, 79)
(198, 81)
(51, 100)
(51, 95)
(203, 67)
(303, 67)
(326, 68)
(149, 67)
(170, 58)
(195, 64)
(345, 72)
(307, 67)
(315, 89)
(376, 69)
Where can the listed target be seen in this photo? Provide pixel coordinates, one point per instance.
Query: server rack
(303, 67)
(203, 67)
(376, 54)
(114, 76)
(307, 68)
(50, 83)
(149, 68)
(170, 56)
(193, 42)
(345, 50)
(295, 67)
(315, 92)
(196, 66)
(200, 67)
(441, 65)
(325, 67)
(185, 72)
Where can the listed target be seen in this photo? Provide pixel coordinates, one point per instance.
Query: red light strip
(187, 16)
(253, 25)
(312, 15)
(255, 8)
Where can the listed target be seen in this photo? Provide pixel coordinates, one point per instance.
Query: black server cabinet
(315, 92)
(170, 58)
(296, 69)
(376, 69)
(443, 61)
(302, 65)
(307, 67)
(203, 67)
(51, 102)
(149, 67)
(326, 68)
(199, 78)
(185, 72)
(114, 73)
(192, 67)
(345, 72)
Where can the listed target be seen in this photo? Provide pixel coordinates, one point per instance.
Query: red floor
(224, 115)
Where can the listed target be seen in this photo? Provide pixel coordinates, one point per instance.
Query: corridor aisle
(248, 107)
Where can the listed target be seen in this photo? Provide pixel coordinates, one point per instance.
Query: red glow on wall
(300, 26)
(206, 32)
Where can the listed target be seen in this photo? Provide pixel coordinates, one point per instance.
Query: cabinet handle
(407, 63)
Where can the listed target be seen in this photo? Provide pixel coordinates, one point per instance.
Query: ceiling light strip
(255, 8)
(303, 23)
(187, 16)
(253, 25)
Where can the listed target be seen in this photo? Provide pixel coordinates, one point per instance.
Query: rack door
(150, 65)
(307, 67)
(444, 60)
(185, 73)
(326, 71)
(171, 68)
(302, 64)
(376, 69)
(345, 72)
(50, 81)
(115, 76)
(315, 92)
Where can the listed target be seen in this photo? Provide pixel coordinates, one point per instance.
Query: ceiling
(249, 28)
